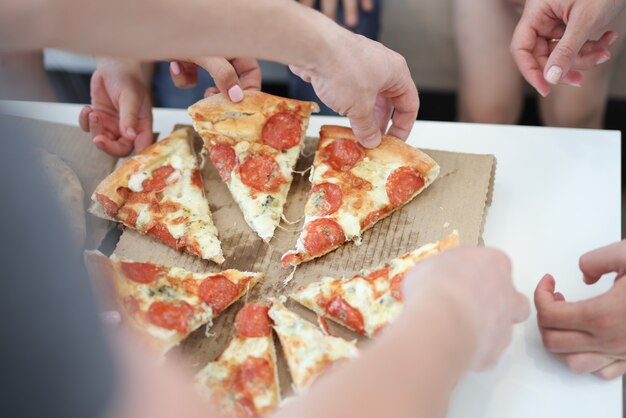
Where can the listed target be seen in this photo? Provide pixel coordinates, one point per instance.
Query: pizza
(254, 145)
(308, 351)
(354, 187)
(167, 303)
(243, 380)
(160, 192)
(371, 299)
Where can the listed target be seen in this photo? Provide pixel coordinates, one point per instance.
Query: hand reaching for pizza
(361, 79)
(590, 335)
(120, 116)
(553, 40)
(476, 284)
(350, 9)
(231, 76)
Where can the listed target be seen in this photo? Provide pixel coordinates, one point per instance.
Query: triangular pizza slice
(160, 192)
(308, 351)
(168, 303)
(243, 380)
(371, 299)
(354, 187)
(255, 145)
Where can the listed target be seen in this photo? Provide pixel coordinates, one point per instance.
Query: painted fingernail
(175, 68)
(99, 144)
(575, 84)
(130, 132)
(235, 93)
(110, 317)
(613, 38)
(553, 76)
(602, 60)
(371, 141)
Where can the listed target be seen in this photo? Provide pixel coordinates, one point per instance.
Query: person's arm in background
(459, 312)
(554, 40)
(23, 77)
(354, 76)
(589, 335)
(350, 9)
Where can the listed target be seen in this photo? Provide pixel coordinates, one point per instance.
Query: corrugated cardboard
(458, 199)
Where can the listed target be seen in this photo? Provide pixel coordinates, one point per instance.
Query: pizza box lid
(458, 200)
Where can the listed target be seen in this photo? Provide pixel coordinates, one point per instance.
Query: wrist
(127, 67)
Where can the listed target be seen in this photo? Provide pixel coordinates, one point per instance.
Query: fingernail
(235, 93)
(99, 144)
(110, 317)
(554, 74)
(130, 132)
(602, 60)
(574, 84)
(613, 38)
(175, 68)
(371, 141)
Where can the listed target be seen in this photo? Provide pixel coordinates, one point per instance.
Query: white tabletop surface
(556, 195)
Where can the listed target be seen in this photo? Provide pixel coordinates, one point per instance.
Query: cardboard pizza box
(459, 199)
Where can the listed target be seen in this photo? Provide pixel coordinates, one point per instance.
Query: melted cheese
(307, 349)
(135, 183)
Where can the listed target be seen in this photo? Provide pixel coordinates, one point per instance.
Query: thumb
(129, 109)
(561, 60)
(365, 127)
(609, 259)
(224, 75)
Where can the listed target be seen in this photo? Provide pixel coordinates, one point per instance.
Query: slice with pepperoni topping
(163, 303)
(309, 352)
(371, 299)
(354, 188)
(243, 380)
(160, 192)
(255, 145)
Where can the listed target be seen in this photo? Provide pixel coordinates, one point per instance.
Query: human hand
(572, 24)
(477, 284)
(350, 9)
(361, 79)
(590, 335)
(120, 116)
(231, 76)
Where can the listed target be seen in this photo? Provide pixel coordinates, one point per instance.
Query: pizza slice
(168, 303)
(354, 187)
(255, 145)
(160, 192)
(243, 380)
(308, 351)
(371, 299)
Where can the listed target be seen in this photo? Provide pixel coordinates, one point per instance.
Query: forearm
(23, 77)
(279, 30)
(409, 371)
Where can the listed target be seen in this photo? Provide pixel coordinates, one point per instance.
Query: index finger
(406, 105)
(522, 48)
(609, 259)
(556, 314)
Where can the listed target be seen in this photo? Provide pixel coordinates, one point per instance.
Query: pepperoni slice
(124, 192)
(253, 373)
(343, 154)
(141, 272)
(321, 235)
(402, 184)
(261, 172)
(160, 232)
(282, 131)
(395, 287)
(196, 179)
(326, 198)
(158, 181)
(218, 292)
(338, 308)
(171, 315)
(253, 321)
(110, 207)
(377, 274)
(224, 159)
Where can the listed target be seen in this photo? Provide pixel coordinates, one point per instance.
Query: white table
(557, 195)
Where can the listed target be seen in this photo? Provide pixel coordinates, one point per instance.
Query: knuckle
(574, 364)
(550, 341)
